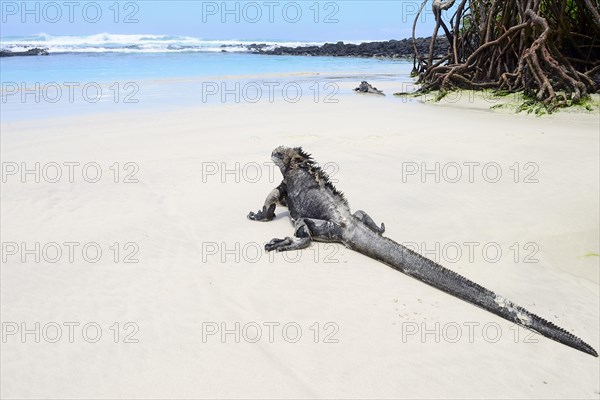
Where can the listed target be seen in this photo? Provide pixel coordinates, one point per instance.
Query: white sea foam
(148, 43)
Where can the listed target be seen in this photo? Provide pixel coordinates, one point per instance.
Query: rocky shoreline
(388, 49)
(37, 51)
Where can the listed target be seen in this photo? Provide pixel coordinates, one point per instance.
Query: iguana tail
(407, 261)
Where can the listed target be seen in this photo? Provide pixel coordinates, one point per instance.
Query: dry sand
(187, 217)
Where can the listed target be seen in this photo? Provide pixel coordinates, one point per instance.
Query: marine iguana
(366, 87)
(320, 212)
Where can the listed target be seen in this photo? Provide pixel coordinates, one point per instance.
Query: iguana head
(289, 157)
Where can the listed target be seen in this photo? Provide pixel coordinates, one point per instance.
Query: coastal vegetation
(549, 50)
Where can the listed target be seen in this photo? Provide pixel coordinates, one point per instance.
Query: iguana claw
(261, 215)
(278, 244)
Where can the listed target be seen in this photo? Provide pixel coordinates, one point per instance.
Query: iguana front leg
(307, 230)
(277, 195)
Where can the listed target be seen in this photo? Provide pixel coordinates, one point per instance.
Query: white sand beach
(366, 330)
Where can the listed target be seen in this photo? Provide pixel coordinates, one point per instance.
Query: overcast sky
(308, 20)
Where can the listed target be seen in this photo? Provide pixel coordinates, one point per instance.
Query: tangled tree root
(548, 49)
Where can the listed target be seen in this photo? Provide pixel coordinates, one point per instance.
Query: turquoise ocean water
(126, 72)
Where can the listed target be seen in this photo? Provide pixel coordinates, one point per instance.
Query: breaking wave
(117, 43)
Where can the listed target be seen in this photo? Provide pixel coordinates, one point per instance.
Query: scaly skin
(320, 212)
(366, 87)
